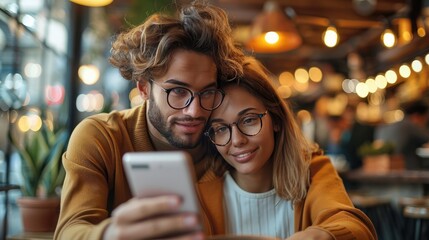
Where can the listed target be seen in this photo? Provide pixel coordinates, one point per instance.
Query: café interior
(351, 69)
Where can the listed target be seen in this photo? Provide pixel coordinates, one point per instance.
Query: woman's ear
(144, 89)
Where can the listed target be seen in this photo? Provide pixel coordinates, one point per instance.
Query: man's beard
(160, 123)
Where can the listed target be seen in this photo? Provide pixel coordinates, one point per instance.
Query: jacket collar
(210, 193)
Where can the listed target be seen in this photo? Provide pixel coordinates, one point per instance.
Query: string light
(330, 36)
(404, 71)
(417, 66)
(388, 38)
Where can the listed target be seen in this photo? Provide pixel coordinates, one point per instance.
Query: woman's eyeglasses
(249, 125)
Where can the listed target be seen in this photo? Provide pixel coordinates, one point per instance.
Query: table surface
(393, 176)
(240, 237)
(32, 236)
(48, 235)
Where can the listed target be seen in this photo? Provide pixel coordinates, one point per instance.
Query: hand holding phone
(152, 174)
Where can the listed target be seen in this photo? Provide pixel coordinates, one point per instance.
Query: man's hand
(149, 218)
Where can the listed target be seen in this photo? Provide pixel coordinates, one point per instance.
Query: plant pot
(39, 215)
(376, 163)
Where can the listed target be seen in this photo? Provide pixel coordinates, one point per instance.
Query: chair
(385, 218)
(416, 218)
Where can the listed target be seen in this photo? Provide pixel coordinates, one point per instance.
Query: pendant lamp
(272, 31)
(93, 3)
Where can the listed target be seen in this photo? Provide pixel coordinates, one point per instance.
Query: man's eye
(179, 91)
(208, 93)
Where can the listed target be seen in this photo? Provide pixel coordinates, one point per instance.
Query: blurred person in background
(408, 134)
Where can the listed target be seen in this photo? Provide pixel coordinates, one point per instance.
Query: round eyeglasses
(249, 125)
(180, 97)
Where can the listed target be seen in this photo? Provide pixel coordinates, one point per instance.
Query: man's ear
(144, 89)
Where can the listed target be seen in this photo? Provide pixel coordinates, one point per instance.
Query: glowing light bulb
(388, 38)
(272, 37)
(89, 74)
(330, 37)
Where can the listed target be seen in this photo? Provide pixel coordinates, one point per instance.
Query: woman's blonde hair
(292, 153)
(145, 50)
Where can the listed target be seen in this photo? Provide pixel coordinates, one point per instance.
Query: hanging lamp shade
(272, 31)
(93, 3)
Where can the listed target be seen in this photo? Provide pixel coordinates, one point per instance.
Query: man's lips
(190, 126)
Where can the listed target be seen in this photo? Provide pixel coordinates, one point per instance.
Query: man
(177, 63)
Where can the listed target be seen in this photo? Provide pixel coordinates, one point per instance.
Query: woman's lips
(244, 156)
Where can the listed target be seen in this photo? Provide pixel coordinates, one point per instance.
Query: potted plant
(42, 175)
(376, 156)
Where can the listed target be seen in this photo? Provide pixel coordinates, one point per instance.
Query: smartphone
(152, 174)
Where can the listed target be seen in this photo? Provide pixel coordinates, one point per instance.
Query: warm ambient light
(330, 36)
(391, 76)
(272, 31)
(405, 34)
(388, 38)
(271, 37)
(417, 66)
(315, 74)
(421, 28)
(89, 74)
(404, 71)
(93, 3)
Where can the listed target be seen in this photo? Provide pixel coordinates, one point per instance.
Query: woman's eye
(249, 120)
(220, 129)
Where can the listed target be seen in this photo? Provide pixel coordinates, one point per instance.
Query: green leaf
(41, 154)
(53, 175)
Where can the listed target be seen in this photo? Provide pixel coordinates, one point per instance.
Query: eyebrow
(240, 114)
(180, 83)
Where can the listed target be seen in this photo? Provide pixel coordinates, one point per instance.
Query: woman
(267, 179)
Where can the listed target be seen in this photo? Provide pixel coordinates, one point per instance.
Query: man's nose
(194, 108)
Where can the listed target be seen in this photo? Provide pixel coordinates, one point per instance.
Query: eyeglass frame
(189, 100)
(229, 126)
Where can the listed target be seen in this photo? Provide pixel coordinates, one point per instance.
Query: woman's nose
(237, 137)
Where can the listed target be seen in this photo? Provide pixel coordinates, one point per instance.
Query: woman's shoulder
(321, 163)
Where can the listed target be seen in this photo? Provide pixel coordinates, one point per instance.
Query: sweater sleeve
(93, 169)
(328, 207)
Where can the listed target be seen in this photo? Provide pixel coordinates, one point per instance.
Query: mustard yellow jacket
(95, 181)
(326, 206)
